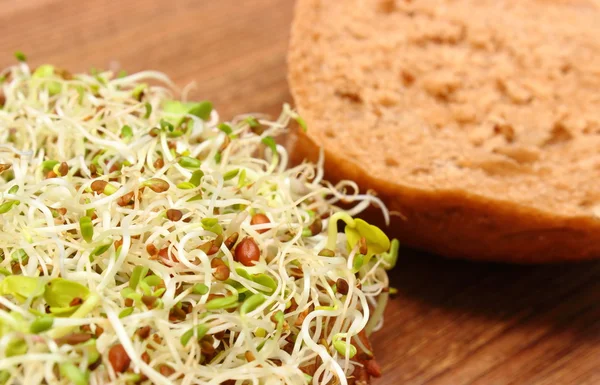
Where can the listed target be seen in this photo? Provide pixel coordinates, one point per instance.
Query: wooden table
(453, 322)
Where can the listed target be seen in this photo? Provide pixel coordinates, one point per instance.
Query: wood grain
(453, 322)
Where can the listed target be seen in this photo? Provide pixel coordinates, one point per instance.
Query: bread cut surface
(468, 116)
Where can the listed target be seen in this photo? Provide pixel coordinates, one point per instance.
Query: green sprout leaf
(137, 91)
(189, 162)
(343, 348)
(251, 303)
(222, 303)
(166, 126)
(61, 292)
(20, 56)
(4, 376)
(199, 330)
(200, 288)
(177, 110)
(266, 281)
(226, 128)
(138, 273)
(16, 347)
(212, 225)
(148, 108)
(126, 132)
(126, 312)
(21, 287)
(6, 206)
(231, 174)
(74, 374)
(41, 324)
(377, 241)
(48, 165)
(301, 122)
(100, 249)
(43, 71)
(390, 258)
(87, 228)
(252, 122)
(270, 142)
(46, 71)
(196, 177)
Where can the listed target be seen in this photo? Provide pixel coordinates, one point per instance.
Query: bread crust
(456, 224)
(450, 222)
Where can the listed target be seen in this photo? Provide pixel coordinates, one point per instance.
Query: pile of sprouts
(145, 241)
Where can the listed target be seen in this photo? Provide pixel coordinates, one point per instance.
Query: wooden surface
(453, 322)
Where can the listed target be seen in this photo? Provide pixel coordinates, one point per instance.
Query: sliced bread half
(477, 120)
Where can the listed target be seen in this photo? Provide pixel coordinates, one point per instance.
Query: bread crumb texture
(497, 98)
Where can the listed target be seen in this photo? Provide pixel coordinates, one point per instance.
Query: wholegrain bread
(477, 120)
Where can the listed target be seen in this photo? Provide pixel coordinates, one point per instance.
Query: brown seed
(166, 370)
(249, 356)
(219, 335)
(216, 262)
(226, 143)
(164, 254)
(316, 227)
(118, 358)
(342, 286)
(360, 376)
(221, 273)
(159, 163)
(157, 185)
(94, 365)
(174, 215)
(63, 73)
(293, 306)
(76, 301)
(63, 169)
(301, 318)
(231, 240)
(73, 339)
(115, 167)
(151, 249)
(187, 307)
(93, 170)
(207, 349)
(126, 199)
(149, 301)
(143, 332)
(98, 186)
(296, 272)
(259, 219)
(327, 253)
(373, 368)
(176, 314)
(247, 252)
(362, 243)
